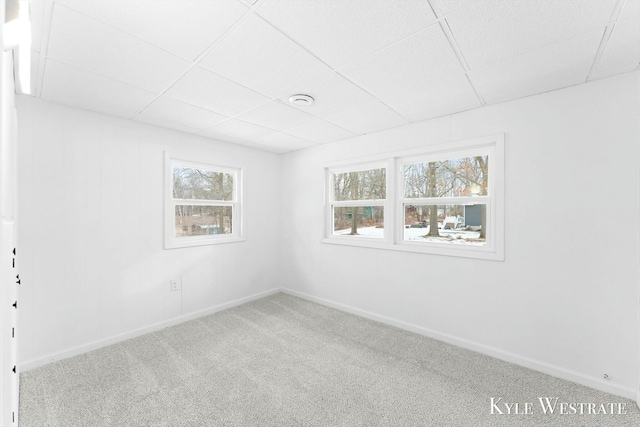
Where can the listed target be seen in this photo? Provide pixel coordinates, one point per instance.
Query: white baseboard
(556, 371)
(41, 361)
(567, 374)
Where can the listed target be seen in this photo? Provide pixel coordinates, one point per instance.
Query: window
(445, 199)
(203, 204)
(358, 200)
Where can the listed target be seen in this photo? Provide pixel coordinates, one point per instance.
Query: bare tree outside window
(444, 199)
(451, 178)
(358, 219)
(190, 183)
(193, 184)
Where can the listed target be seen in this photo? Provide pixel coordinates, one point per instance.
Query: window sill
(423, 248)
(202, 242)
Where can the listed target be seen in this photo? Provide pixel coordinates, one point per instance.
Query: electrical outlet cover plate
(175, 285)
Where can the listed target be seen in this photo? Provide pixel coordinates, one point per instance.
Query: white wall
(93, 264)
(9, 381)
(565, 300)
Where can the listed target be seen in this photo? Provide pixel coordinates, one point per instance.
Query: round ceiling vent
(301, 100)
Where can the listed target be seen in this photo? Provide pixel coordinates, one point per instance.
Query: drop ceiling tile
(553, 67)
(78, 88)
(171, 110)
(339, 32)
(331, 94)
(238, 130)
(165, 124)
(208, 90)
(403, 71)
(493, 30)
(445, 7)
(85, 43)
(320, 131)
(185, 28)
(630, 9)
(276, 115)
(260, 57)
(622, 52)
(437, 99)
(282, 143)
(368, 118)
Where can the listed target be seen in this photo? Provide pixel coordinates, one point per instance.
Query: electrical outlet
(175, 284)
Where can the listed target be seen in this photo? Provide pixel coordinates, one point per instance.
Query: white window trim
(331, 203)
(170, 241)
(393, 205)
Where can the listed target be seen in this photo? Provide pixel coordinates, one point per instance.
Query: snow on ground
(458, 237)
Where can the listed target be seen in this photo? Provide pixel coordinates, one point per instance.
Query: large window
(444, 199)
(203, 203)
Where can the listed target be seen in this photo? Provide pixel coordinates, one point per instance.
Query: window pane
(203, 220)
(360, 185)
(201, 184)
(456, 224)
(366, 221)
(447, 178)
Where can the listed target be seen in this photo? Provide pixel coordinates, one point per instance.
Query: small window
(358, 202)
(203, 204)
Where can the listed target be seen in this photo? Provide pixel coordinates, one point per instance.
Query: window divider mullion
(389, 203)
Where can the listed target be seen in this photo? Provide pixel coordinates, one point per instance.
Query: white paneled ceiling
(235, 130)
(341, 32)
(494, 30)
(72, 86)
(558, 65)
(258, 56)
(224, 69)
(182, 28)
(171, 110)
(203, 88)
(99, 48)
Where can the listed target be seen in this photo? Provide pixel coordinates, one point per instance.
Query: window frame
(237, 224)
(492, 145)
(332, 203)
